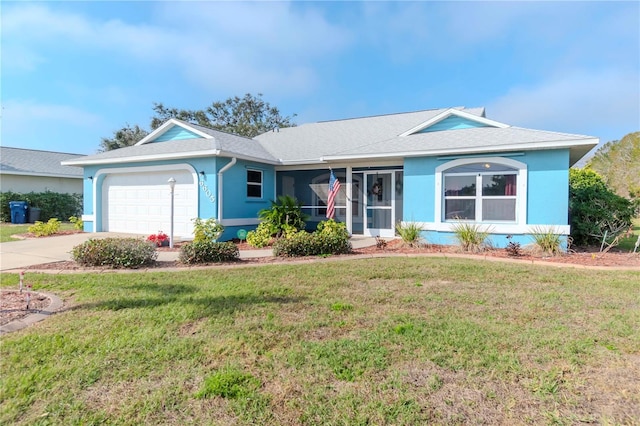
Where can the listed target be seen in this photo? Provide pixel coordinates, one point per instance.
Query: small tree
(595, 210)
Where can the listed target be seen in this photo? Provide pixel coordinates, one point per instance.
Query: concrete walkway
(35, 251)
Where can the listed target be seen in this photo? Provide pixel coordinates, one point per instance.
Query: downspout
(220, 172)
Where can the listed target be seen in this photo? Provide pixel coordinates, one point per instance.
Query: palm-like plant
(285, 212)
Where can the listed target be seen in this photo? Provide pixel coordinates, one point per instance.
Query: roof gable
(174, 130)
(453, 119)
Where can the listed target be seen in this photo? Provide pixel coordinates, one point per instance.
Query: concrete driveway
(34, 251)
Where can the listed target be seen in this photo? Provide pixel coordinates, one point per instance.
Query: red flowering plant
(159, 239)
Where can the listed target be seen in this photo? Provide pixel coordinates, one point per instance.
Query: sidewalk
(20, 254)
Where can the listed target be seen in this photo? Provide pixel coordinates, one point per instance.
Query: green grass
(400, 341)
(9, 229)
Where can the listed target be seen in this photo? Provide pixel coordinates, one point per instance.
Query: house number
(207, 191)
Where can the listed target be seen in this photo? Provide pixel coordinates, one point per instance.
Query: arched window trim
(521, 197)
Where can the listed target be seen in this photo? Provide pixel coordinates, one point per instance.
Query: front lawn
(9, 229)
(401, 341)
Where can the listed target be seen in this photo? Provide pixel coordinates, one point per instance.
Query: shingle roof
(19, 161)
(357, 138)
(313, 141)
(221, 143)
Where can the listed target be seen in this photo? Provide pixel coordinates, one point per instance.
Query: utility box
(18, 211)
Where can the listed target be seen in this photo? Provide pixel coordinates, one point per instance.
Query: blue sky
(73, 72)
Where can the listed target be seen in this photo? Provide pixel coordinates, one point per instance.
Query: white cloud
(259, 46)
(576, 102)
(22, 122)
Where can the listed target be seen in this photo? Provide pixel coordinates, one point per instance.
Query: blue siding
(453, 123)
(176, 133)
(548, 187)
(235, 203)
(547, 192)
(419, 187)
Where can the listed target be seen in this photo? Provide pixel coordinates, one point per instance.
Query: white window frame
(520, 169)
(479, 198)
(260, 184)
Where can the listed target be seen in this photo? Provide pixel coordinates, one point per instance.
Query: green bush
(51, 204)
(41, 229)
(78, 224)
(470, 236)
(207, 252)
(261, 237)
(330, 238)
(284, 211)
(410, 232)
(206, 230)
(595, 210)
(115, 252)
(547, 240)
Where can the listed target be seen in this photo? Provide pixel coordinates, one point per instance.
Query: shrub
(595, 210)
(206, 230)
(513, 248)
(115, 252)
(547, 240)
(208, 251)
(410, 232)
(470, 236)
(331, 237)
(51, 204)
(261, 237)
(41, 229)
(78, 224)
(285, 210)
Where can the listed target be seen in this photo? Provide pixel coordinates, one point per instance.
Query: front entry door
(379, 204)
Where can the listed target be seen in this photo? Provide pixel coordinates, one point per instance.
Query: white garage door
(140, 203)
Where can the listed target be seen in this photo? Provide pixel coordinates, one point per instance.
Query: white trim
(89, 218)
(148, 157)
(320, 166)
(261, 184)
(37, 174)
(470, 150)
(493, 228)
(240, 222)
(139, 169)
(171, 156)
(168, 125)
(448, 113)
(521, 191)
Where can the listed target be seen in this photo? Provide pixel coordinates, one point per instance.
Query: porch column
(349, 195)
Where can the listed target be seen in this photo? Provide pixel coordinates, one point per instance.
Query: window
(254, 184)
(480, 192)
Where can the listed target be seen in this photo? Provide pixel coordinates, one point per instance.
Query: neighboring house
(29, 170)
(433, 167)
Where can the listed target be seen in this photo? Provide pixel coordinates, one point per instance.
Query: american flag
(334, 187)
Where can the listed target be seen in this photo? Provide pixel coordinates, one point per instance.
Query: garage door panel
(137, 203)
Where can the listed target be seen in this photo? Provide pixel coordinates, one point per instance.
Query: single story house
(30, 170)
(433, 167)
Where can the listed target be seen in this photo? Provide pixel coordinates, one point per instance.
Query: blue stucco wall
(547, 192)
(548, 187)
(235, 203)
(419, 187)
(176, 133)
(453, 123)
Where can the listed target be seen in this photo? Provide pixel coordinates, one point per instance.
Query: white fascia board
(456, 112)
(248, 158)
(151, 157)
(168, 125)
(3, 172)
(479, 150)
